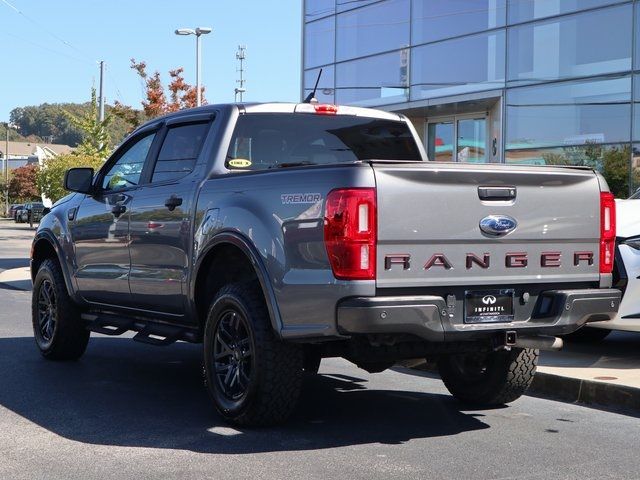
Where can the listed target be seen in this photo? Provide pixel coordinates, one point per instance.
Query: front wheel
(252, 377)
(57, 326)
(489, 379)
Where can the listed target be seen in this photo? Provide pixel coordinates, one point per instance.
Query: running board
(148, 331)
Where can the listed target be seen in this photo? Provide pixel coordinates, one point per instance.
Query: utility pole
(240, 56)
(6, 172)
(101, 98)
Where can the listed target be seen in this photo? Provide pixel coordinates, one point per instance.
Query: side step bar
(148, 331)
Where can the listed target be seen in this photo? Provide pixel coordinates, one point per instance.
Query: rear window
(179, 151)
(262, 141)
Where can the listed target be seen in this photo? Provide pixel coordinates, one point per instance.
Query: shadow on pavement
(127, 394)
(8, 263)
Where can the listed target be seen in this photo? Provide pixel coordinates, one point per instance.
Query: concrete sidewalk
(16, 278)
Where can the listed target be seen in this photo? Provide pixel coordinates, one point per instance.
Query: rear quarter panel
(281, 213)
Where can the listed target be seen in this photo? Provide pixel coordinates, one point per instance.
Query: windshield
(262, 141)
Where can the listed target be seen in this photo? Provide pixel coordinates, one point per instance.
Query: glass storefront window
(462, 65)
(569, 113)
(611, 160)
(586, 44)
(319, 42)
(344, 5)
(373, 29)
(373, 81)
(439, 19)
(326, 87)
(315, 9)
(635, 171)
(523, 11)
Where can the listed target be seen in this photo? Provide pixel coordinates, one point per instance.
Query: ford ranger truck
(280, 234)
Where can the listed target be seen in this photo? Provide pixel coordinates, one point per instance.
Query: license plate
(488, 306)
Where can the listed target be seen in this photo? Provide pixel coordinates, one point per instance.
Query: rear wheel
(252, 377)
(57, 326)
(489, 379)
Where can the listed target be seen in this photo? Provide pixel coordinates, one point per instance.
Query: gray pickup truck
(281, 234)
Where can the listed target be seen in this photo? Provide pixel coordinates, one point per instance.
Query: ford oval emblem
(498, 225)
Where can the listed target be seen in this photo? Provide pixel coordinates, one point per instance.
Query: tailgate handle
(497, 193)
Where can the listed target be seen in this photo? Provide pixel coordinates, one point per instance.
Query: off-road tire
(276, 371)
(68, 337)
(504, 376)
(587, 335)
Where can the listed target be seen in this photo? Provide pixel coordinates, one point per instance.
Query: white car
(626, 273)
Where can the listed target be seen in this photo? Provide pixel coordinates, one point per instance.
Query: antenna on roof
(311, 98)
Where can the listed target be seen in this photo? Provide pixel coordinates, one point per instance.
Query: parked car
(627, 274)
(31, 213)
(17, 214)
(12, 208)
(15, 209)
(281, 234)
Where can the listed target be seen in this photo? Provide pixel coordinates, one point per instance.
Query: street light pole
(6, 172)
(198, 32)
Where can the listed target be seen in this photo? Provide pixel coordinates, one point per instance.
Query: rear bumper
(555, 312)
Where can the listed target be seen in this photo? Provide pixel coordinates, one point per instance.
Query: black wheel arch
(46, 246)
(231, 248)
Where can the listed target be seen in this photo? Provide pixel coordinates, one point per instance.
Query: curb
(16, 279)
(569, 390)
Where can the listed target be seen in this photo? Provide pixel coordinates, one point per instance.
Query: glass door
(458, 139)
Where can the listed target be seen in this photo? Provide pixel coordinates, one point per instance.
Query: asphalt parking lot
(127, 410)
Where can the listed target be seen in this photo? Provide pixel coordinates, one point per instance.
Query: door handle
(497, 193)
(172, 202)
(118, 210)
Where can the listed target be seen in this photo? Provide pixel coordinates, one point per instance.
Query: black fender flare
(48, 236)
(253, 256)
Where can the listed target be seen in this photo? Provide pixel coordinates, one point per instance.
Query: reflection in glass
(522, 11)
(344, 5)
(586, 44)
(373, 81)
(472, 140)
(319, 42)
(440, 146)
(635, 172)
(569, 113)
(377, 28)
(439, 19)
(611, 160)
(457, 66)
(314, 9)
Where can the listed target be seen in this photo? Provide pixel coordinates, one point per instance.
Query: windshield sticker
(298, 198)
(240, 163)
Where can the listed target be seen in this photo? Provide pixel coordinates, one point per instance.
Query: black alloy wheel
(233, 354)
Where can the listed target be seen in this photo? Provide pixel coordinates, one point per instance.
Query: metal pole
(101, 112)
(6, 172)
(198, 90)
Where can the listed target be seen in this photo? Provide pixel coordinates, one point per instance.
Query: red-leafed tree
(158, 100)
(23, 185)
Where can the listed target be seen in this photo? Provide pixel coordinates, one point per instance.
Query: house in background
(24, 153)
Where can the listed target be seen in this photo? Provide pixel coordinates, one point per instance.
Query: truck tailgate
(429, 217)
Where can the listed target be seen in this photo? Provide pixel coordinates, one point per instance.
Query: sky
(52, 48)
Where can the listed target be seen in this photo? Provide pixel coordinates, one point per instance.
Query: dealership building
(506, 81)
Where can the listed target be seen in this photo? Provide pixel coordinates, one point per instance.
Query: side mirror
(79, 180)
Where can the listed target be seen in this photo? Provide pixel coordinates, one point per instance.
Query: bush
(23, 186)
(51, 175)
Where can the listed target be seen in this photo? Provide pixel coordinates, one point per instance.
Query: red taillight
(325, 109)
(607, 231)
(350, 233)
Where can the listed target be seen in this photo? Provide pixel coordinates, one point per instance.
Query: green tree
(51, 174)
(96, 140)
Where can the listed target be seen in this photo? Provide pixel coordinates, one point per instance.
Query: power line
(41, 26)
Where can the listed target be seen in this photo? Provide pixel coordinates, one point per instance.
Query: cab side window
(127, 170)
(179, 151)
